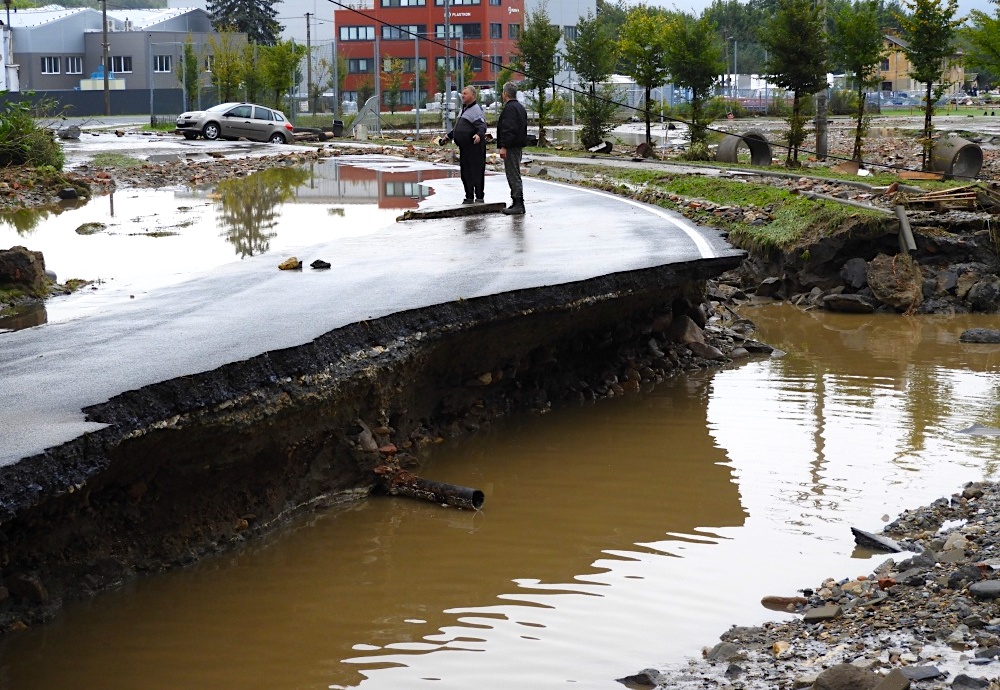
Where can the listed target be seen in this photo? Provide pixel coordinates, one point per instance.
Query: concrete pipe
(956, 157)
(760, 149)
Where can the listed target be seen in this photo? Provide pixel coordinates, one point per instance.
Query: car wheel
(277, 138)
(190, 135)
(211, 131)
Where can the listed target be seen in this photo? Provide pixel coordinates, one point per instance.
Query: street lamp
(416, 83)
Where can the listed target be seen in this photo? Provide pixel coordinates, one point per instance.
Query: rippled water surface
(614, 537)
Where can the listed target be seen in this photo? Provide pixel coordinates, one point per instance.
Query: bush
(22, 141)
(843, 103)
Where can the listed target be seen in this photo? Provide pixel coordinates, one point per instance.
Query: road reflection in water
(614, 536)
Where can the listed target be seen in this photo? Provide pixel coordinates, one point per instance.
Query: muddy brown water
(614, 536)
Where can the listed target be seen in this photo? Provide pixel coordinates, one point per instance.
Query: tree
(694, 58)
(797, 61)
(857, 38)
(593, 55)
(188, 73)
(255, 18)
(643, 47)
(537, 52)
(253, 71)
(929, 31)
(280, 64)
(227, 64)
(392, 77)
(982, 38)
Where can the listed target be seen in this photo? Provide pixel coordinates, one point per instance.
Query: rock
(776, 603)
(28, 586)
(984, 296)
(896, 281)
(875, 542)
(980, 335)
(290, 264)
(771, 287)
(91, 228)
(854, 273)
(685, 331)
(22, 267)
(724, 651)
(822, 613)
(68, 194)
(846, 677)
(320, 264)
(706, 351)
(987, 589)
(848, 304)
(895, 680)
(964, 682)
(921, 672)
(648, 678)
(980, 430)
(71, 132)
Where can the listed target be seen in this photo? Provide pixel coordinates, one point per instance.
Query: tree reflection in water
(249, 207)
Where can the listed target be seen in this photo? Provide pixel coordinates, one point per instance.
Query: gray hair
(472, 90)
(510, 89)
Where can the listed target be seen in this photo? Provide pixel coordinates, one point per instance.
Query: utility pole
(447, 66)
(104, 52)
(309, 68)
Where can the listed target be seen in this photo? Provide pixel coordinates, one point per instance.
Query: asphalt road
(49, 373)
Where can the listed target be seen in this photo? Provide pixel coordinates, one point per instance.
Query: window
(476, 63)
(407, 64)
(162, 63)
(357, 33)
(411, 189)
(439, 63)
(513, 31)
(240, 111)
(260, 113)
(404, 97)
(460, 30)
(404, 3)
(349, 96)
(74, 65)
(121, 64)
(453, 3)
(885, 65)
(495, 3)
(50, 65)
(496, 30)
(569, 32)
(360, 66)
(403, 33)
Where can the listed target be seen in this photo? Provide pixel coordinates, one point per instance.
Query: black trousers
(472, 164)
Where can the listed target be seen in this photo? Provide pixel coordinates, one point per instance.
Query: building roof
(143, 19)
(38, 16)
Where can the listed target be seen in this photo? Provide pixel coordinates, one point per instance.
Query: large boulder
(23, 268)
(896, 281)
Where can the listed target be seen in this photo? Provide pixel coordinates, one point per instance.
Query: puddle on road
(154, 238)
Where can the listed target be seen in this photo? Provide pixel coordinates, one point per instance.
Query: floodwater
(130, 242)
(615, 536)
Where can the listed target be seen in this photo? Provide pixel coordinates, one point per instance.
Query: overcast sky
(697, 6)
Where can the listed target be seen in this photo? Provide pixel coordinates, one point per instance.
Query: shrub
(22, 141)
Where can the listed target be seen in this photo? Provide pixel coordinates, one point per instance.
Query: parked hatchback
(235, 120)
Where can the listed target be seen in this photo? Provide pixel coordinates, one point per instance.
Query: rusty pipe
(402, 483)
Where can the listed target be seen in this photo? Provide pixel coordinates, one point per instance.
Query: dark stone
(987, 589)
(946, 281)
(648, 678)
(822, 613)
(895, 680)
(770, 287)
(964, 682)
(984, 296)
(921, 672)
(734, 671)
(28, 586)
(988, 653)
(854, 273)
(848, 304)
(846, 677)
(68, 193)
(724, 651)
(22, 267)
(980, 335)
(320, 264)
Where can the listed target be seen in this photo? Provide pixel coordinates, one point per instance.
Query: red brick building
(484, 32)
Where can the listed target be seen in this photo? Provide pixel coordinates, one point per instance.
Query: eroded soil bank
(197, 465)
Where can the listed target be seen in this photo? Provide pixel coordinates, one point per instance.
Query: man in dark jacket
(512, 136)
(469, 134)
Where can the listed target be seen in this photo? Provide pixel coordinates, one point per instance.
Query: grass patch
(117, 161)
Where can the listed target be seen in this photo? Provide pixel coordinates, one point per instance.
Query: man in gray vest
(512, 136)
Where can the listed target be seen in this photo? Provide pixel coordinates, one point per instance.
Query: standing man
(469, 134)
(512, 135)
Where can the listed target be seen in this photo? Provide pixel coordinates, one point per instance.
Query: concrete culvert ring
(957, 157)
(760, 149)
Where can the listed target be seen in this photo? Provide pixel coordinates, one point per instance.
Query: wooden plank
(453, 212)
(919, 175)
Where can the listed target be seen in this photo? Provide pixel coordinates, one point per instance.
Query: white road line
(704, 248)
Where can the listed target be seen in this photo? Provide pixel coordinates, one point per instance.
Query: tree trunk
(649, 137)
(858, 124)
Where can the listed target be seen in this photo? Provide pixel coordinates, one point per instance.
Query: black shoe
(480, 200)
(515, 209)
(467, 200)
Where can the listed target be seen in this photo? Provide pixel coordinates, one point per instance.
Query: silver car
(236, 120)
